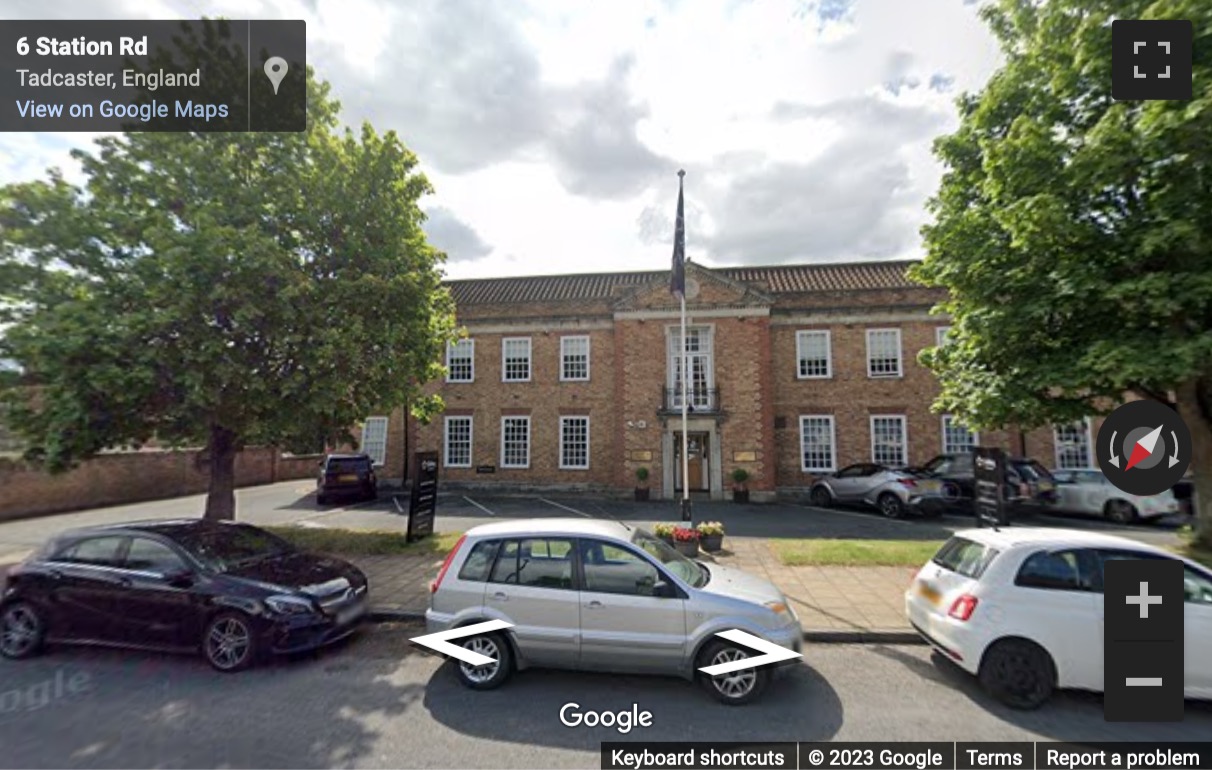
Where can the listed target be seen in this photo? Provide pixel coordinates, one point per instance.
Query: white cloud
(553, 131)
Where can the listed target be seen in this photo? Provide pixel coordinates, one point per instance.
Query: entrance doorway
(698, 468)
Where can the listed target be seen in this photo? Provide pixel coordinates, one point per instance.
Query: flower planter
(687, 547)
(740, 495)
(667, 538)
(711, 542)
(641, 494)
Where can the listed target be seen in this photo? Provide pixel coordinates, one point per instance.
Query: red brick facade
(750, 397)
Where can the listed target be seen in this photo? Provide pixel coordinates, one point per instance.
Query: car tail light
(909, 482)
(963, 607)
(433, 587)
(1024, 489)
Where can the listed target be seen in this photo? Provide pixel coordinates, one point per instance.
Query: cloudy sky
(553, 130)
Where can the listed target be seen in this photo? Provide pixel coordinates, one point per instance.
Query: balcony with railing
(702, 400)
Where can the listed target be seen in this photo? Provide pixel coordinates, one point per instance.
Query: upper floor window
(574, 358)
(942, 335)
(813, 352)
(884, 353)
(461, 361)
(374, 439)
(1073, 446)
(515, 355)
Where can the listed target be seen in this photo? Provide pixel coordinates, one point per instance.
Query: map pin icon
(275, 70)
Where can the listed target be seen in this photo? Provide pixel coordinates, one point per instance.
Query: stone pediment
(705, 288)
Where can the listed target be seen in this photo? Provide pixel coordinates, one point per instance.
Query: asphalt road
(377, 701)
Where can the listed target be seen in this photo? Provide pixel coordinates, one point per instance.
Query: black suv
(951, 478)
(352, 475)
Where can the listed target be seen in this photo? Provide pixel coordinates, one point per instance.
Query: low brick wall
(128, 477)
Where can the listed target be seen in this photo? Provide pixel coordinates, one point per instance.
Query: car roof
(553, 526)
(1007, 537)
(149, 526)
(349, 456)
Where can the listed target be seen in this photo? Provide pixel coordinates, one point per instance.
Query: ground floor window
(515, 442)
(574, 442)
(374, 439)
(1073, 446)
(957, 439)
(458, 442)
(888, 440)
(818, 450)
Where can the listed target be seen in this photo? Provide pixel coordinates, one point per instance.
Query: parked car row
(947, 484)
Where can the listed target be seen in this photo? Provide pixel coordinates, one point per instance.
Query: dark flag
(677, 282)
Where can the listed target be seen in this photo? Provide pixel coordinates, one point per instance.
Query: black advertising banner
(424, 502)
(989, 487)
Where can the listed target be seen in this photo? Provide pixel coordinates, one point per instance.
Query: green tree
(220, 290)
(1074, 232)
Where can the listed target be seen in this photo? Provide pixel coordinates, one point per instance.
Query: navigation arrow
(1174, 457)
(440, 642)
(773, 653)
(1114, 457)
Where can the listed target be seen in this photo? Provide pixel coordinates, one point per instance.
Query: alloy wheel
(228, 643)
(484, 645)
(19, 630)
(738, 683)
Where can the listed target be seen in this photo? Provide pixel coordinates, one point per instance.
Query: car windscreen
(347, 465)
(670, 558)
(965, 557)
(222, 547)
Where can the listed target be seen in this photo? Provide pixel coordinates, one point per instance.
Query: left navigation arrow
(440, 642)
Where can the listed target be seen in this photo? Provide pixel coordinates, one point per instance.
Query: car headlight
(289, 605)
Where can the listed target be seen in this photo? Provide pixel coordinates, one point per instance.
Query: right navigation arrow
(773, 653)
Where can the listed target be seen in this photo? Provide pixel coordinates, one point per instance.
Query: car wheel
(1120, 512)
(491, 675)
(820, 497)
(738, 687)
(22, 630)
(891, 506)
(230, 642)
(322, 499)
(1018, 673)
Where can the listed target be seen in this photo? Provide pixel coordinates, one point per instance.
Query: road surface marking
(856, 514)
(565, 507)
(481, 507)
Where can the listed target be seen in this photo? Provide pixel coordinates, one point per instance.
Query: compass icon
(1144, 447)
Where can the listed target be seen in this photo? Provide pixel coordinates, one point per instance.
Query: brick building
(573, 382)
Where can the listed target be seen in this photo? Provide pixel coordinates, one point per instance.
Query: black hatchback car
(230, 590)
(346, 474)
(950, 481)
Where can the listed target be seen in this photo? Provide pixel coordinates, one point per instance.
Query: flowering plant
(710, 528)
(663, 530)
(685, 535)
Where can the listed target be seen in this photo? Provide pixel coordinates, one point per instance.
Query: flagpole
(686, 514)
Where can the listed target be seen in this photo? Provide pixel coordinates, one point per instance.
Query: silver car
(601, 596)
(893, 492)
(1090, 492)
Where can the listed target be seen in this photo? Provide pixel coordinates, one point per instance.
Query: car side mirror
(664, 589)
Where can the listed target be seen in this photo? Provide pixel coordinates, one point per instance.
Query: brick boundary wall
(128, 477)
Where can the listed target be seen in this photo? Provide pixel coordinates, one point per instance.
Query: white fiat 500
(1022, 609)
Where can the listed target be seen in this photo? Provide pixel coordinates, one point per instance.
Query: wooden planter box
(641, 494)
(740, 495)
(687, 547)
(711, 543)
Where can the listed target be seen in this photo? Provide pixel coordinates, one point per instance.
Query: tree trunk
(221, 494)
(1201, 461)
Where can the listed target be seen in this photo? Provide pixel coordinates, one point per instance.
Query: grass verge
(855, 553)
(350, 542)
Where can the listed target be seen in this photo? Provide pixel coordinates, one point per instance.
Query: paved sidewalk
(835, 604)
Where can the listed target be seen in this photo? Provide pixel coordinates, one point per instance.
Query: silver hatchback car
(601, 596)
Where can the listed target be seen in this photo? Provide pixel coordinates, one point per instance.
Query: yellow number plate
(929, 593)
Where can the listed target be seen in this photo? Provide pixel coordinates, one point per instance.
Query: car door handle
(594, 605)
(501, 596)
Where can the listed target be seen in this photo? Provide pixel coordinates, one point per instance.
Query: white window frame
(1089, 447)
(505, 359)
(832, 443)
(564, 353)
(940, 335)
(706, 353)
(529, 437)
(379, 456)
(904, 438)
(471, 351)
(566, 419)
(947, 449)
(900, 355)
(471, 441)
(800, 336)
